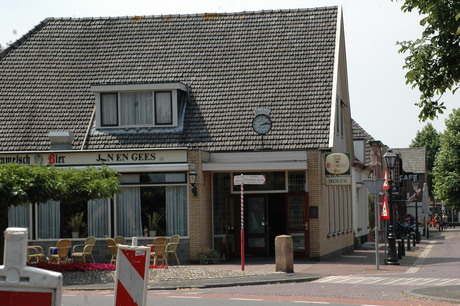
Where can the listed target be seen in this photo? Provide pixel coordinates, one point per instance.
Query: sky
(381, 101)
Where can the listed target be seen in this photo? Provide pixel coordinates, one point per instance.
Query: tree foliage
(434, 59)
(429, 138)
(39, 183)
(447, 165)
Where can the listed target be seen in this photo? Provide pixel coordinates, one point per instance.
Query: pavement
(259, 271)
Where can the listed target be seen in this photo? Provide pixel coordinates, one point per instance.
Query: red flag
(385, 212)
(386, 186)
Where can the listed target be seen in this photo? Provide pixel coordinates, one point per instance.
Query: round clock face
(261, 124)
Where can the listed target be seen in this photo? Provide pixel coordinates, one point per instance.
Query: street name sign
(249, 180)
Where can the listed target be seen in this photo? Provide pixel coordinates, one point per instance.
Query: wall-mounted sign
(337, 167)
(86, 158)
(338, 180)
(337, 163)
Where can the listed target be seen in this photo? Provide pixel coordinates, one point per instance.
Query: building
(181, 105)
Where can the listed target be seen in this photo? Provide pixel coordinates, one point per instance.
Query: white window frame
(163, 87)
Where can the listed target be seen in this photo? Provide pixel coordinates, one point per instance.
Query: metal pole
(242, 223)
(376, 217)
(392, 256)
(417, 234)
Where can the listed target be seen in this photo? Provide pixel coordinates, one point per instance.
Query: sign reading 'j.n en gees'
(337, 166)
(80, 158)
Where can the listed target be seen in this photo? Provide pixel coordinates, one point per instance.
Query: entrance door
(298, 223)
(256, 225)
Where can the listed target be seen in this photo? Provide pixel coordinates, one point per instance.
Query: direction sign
(249, 180)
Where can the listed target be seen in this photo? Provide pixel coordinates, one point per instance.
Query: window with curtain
(19, 216)
(109, 109)
(162, 193)
(49, 220)
(98, 218)
(136, 108)
(163, 108)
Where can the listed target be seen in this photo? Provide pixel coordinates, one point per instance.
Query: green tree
(434, 58)
(429, 138)
(447, 165)
(20, 185)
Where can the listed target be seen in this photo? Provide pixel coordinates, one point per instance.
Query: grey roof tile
(233, 63)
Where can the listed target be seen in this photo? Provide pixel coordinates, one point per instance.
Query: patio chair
(158, 248)
(171, 248)
(60, 253)
(35, 254)
(113, 246)
(120, 240)
(82, 251)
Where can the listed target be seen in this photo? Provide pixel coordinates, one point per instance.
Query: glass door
(256, 225)
(298, 227)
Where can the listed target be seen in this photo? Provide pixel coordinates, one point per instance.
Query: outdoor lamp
(192, 179)
(390, 159)
(392, 256)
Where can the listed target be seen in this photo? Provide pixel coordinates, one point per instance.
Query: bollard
(400, 249)
(22, 285)
(132, 275)
(408, 243)
(284, 255)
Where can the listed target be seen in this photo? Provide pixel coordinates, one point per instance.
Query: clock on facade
(262, 124)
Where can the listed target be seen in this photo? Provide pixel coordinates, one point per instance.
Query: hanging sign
(385, 212)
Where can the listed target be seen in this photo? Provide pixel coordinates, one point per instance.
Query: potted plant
(154, 220)
(75, 223)
(208, 256)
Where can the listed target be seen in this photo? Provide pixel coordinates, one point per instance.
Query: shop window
(136, 204)
(146, 193)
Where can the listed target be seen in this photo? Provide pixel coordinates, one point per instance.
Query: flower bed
(74, 267)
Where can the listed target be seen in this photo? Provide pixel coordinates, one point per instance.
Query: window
(128, 214)
(145, 193)
(140, 106)
(163, 108)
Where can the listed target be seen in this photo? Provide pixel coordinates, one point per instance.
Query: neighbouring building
(182, 105)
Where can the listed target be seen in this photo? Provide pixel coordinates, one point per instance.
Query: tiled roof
(233, 63)
(413, 159)
(360, 134)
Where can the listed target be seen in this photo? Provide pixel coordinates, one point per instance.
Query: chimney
(61, 140)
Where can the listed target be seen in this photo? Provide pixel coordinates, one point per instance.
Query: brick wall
(200, 206)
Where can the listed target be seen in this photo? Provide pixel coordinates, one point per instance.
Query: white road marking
(408, 281)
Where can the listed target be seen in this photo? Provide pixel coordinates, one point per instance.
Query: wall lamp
(192, 179)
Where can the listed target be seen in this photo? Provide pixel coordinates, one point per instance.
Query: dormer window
(139, 106)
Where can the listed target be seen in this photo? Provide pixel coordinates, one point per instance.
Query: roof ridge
(192, 15)
(23, 38)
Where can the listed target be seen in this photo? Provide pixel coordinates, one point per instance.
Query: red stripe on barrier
(123, 297)
(138, 262)
(10, 298)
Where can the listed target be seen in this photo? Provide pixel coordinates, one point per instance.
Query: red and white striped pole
(242, 223)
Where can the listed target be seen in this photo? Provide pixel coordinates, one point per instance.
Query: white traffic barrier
(22, 285)
(132, 275)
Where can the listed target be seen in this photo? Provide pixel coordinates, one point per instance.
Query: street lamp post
(392, 256)
(417, 234)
